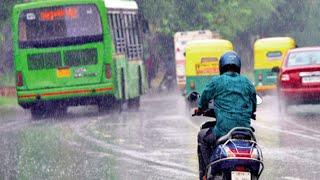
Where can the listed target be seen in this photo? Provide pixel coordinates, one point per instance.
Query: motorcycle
(236, 155)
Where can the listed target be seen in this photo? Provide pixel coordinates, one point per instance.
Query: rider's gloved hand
(193, 97)
(253, 116)
(197, 112)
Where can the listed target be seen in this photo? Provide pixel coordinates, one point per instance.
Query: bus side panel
(127, 42)
(142, 78)
(133, 79)
(121, 77)
(129, 83)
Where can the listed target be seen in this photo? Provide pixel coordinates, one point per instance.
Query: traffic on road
(156, 142)
(119, 89)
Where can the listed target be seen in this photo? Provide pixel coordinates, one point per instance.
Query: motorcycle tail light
(285, 77)
(243, 153)
(229, 153)
(240, 168)
(255, 154)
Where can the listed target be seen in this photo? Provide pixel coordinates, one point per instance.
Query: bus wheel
(140, 81)
(38, 112)
(61, 111)
(104, 106)
(110, 105)
(117, 105)
(134, 103)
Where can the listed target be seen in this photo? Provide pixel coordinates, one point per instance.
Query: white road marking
(133, 154)
(301, 126)
(289, 132)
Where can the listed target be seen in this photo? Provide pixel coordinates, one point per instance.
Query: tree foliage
(5, 10)
(227, 17)
(240, 21)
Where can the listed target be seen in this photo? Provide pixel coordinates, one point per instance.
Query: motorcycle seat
(237, 133)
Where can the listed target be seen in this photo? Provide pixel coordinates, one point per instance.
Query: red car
(299, 77)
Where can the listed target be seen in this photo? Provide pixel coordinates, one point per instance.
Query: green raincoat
(234, 101)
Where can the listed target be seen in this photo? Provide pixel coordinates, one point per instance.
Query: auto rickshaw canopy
(202, 56)
(269, 52)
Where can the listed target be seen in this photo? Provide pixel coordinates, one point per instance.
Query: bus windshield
(59, 26)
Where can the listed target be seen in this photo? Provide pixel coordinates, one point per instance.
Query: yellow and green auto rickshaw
(268, 53)
(202, 62)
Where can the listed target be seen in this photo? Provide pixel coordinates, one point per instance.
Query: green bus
(77, 52)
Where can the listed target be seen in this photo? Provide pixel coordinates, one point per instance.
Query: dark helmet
(229, 58)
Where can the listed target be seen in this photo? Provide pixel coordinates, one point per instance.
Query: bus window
(60, 25)
(125, 30)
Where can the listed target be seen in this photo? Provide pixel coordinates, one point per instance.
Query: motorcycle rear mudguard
(222, 162)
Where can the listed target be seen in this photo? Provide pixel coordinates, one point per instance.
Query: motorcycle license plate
(238, 175)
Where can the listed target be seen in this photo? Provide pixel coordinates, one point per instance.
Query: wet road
(157, 142)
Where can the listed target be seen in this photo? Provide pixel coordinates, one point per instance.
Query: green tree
(241, 21)
(229, 18)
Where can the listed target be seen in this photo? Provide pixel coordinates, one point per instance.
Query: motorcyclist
(234, 99)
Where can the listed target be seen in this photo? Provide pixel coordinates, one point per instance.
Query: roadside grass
(44, 154)
(8, 101)
(8, 107)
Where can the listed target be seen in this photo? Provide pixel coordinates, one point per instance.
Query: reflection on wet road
(158, 142)
(290, 144)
